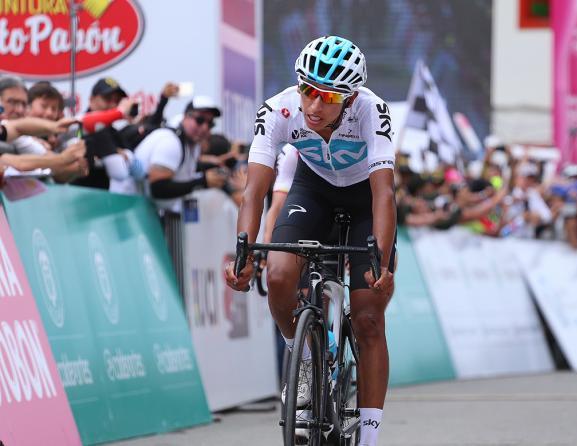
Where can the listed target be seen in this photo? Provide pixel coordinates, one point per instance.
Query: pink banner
(33, 405)
(564, 21)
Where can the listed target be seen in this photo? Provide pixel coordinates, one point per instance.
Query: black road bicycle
(331, 417)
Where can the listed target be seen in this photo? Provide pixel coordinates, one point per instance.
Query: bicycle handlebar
(305, 248)
(374, 256)
(241, 253)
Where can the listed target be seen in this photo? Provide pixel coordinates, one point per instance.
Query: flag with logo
(429, 137)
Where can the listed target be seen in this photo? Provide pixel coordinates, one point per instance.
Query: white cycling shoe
(304, 386)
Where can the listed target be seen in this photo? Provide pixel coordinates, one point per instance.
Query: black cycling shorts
(308, 214)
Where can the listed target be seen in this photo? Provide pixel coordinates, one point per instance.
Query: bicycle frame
(319, 284)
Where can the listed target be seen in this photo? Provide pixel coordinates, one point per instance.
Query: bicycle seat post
(343, 221)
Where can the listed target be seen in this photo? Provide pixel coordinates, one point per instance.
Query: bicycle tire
(283, 379)
(307, 327)
(345, 393)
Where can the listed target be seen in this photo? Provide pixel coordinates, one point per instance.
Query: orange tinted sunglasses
(328, 97)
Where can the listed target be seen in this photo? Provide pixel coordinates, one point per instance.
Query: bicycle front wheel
(304, 398)
(345, 394)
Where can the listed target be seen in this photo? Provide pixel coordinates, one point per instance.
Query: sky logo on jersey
(343, 153)
(259, 123)
(385, 117)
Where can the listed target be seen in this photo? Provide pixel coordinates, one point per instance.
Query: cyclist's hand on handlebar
(242, 282)
(384, 285)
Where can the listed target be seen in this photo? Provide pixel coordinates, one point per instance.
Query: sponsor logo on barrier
(123, 366)
(35, 36)
(99, 261)
(172, 360)
(47, 277)
(76, 372)
(235, 306)
(9, 284)
(24, 372)
(204, 297)
(149, 268)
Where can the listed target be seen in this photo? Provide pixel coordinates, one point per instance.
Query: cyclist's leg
(368, 317)
(304, 216)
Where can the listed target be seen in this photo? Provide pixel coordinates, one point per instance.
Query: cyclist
(342, 132)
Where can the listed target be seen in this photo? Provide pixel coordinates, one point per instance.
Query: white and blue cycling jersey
(360, 145)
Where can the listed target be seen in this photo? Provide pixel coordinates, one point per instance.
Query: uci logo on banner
(35, 36)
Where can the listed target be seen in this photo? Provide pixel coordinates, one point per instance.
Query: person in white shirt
(169, 156)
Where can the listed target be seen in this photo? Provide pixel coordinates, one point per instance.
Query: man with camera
(170, 156)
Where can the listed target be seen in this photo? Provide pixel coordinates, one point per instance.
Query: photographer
(230, 158)
(170, 156)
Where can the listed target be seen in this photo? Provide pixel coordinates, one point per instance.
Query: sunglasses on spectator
(328, 97)
(202, 120)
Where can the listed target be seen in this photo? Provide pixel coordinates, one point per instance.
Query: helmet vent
(323, 69)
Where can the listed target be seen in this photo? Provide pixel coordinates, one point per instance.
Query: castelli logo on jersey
(35, 36)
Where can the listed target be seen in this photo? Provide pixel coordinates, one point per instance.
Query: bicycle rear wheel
(304, 424)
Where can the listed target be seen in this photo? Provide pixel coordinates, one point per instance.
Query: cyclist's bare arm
(258, 183)
(259, 180)
(384, 213)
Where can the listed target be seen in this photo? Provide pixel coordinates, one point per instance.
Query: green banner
(105, 287)
(417, 348)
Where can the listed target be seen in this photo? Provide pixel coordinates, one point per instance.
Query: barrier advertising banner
(99, 269)
(550, 268)
(489, 321)
(240, 56)
(232, 331)
(33, 405)
(122, 39)
(417, 349)
(564, 21)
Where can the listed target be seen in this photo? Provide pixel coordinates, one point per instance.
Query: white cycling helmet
(334, 62)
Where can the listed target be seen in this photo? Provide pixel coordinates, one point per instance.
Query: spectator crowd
(509, 193)
(113, 146)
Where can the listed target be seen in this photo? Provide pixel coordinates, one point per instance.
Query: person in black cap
(106, 94)
(104, 146)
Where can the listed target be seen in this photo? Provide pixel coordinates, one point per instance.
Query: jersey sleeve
(286, 168)
(269, 128)
(377, 132)
(167, 151)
